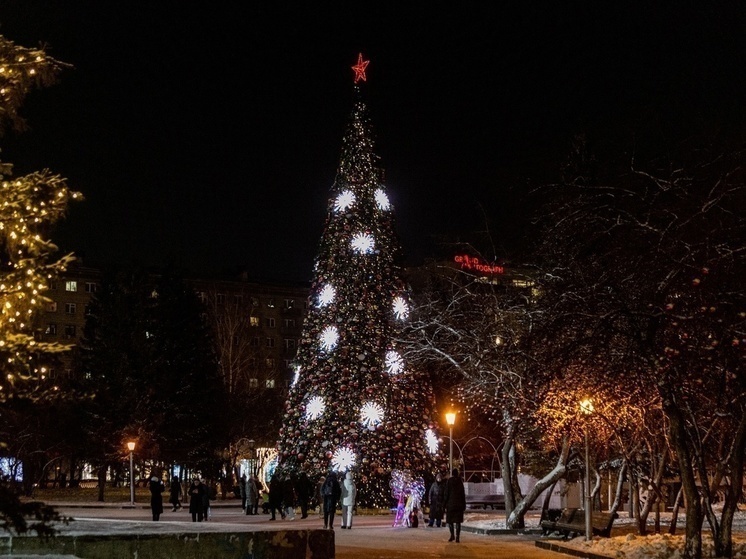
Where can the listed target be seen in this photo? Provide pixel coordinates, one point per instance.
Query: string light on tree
(382, 200)
(363, 243)
(315, 408)
(394, 363)
(343, 459)
(329, 338)
(401, 308)
(344, 201)
(371, 415)
(326, 296)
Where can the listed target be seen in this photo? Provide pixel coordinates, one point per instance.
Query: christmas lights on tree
(355, 404)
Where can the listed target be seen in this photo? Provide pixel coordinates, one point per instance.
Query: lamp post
(252, 456)
(450, 419)
(131, 446)
(586, 406)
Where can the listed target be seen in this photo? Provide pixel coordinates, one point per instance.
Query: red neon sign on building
(473, 263)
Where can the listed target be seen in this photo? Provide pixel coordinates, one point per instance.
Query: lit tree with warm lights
(29, 206)
(355, 403)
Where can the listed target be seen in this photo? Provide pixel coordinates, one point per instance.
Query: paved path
(371, 537)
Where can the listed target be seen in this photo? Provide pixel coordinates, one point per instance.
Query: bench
(485, 501)
(571, 523)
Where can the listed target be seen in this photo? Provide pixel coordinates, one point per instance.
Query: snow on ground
(629, 545)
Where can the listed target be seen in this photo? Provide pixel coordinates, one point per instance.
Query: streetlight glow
(131, 447)
(450, 419)
(586, 407)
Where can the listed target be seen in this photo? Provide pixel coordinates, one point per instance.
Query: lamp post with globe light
(586, 407)
(450, 419)
(131, 447)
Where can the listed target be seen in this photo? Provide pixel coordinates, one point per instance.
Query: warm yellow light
(586, 406)
(131, 445)
(451, 418)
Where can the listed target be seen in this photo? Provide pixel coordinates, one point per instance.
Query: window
(70, 308)
(254, 321)
(52, 285)
(270, 322)
(220, 298)
(52, 306)
(289, 364)
(238, 299)
(253, 382)
(51, 329)
(289, 343)
(202, 296)
(270, 342)
(289, 323)
(270, 363)
(69, 330)
(255, 341)
(270, 383)
(71, 285)
(91, 287)
(254, 302)
(87, 310)
(271, 303)
(289, 304)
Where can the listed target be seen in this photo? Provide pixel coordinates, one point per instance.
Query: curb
(500, 531)
(569, 551)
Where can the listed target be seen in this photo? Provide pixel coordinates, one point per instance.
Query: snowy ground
(627, 544)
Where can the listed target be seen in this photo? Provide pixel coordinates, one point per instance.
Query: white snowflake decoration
(432, 441)
(344, 201)
(394, 363)
(328, 338)
(371, 415)
(296, 376)
(401, 309)
(382, 200)
(327, 295)
(315, 408)
(343, 459)
(363, 243)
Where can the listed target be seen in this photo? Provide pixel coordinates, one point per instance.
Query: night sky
(208, 135)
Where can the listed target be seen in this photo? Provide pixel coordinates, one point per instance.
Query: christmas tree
(354, 404)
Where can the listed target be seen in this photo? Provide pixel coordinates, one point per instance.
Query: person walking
(156, 497)
(304, 492)
(196, 500)
(331, 492)
(319, 496)
(275, 496)
(258, 495)
(454, 500)
(206, 499)
(175, 494)
(288, 496)
(349, 494)
(435, 498)
(242, 491)
(250, 490)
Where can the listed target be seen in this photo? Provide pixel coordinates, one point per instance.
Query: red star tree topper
(360, 67)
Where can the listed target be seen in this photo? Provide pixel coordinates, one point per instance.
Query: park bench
(572, 523)
(485, 501)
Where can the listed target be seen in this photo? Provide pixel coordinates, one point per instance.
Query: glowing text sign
(473, 263)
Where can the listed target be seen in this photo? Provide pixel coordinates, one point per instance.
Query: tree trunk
(101, 472)
(675, 511)
(505, 464)
(724, 541)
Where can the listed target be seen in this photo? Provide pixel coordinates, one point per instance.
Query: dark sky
(208, 134)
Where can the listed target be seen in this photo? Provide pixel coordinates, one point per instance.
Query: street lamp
(450, 419)
(586, 407)
(131, 446)
(252, 456)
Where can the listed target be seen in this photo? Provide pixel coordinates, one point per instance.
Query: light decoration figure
(328, 338)
(315, 408)
(343, 459)
(371, 415)
(296, 375)
(363, 243)
(431, 439)
(394, 363)
(382, 200)
(401, 308)
(344, 201)
(327, 295)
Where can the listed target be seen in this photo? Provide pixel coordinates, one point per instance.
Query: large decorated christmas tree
(354, 403)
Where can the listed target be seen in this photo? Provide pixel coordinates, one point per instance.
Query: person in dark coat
(331, 491)
(304, 491)
(454, 500)
(156, 496)
(435, 498)
(251, 490)
(197, 493)
(175, 494)
(275, 496)
(242, 491)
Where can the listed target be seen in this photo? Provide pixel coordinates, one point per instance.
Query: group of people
(288, 491)
(450, 497)
(330, 492)
(198, 494)
(251, 493)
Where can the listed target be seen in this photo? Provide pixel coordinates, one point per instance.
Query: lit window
(202, 296)
(270, 363)
(71, 285)
(270, 383)
(52, 306)
(51, 329)
(253, 382)
(254, 321)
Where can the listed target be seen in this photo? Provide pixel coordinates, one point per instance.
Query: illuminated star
(360, 67)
